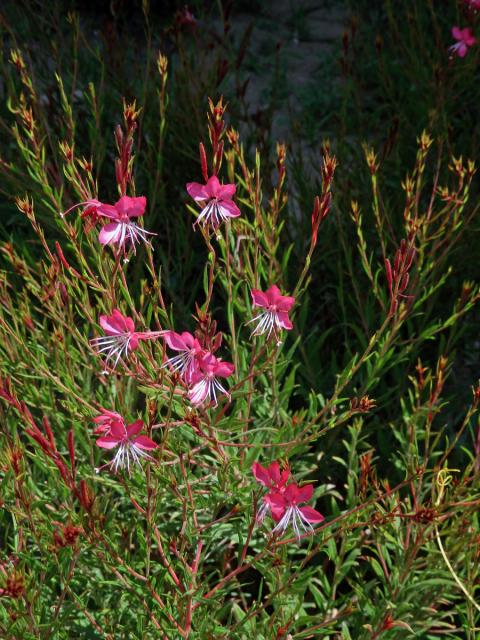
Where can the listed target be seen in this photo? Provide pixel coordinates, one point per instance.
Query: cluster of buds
(66, 535)
(283, 499)
(364, 404)
(216, 130)
(14, 585)
(399, 277)
(124, 142)
(323, 202)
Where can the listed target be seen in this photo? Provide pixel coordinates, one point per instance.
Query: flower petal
(305, 493)
(132, 207)
(197, 191)
(228, 209)
(284, 321)
(261, 474)
(259, 298)
(312, 515)
(107, 442)
(144, 443)
(108, 211)
(212, 187)
(110, 233)
(224, 369)
(134, 428)
(273, 294)
(226, 191)
(457, 33)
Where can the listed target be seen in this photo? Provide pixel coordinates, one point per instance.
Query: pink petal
(190, 341)
(132, 207)
(229, 209)
(133, 344)
(124, 323)
(273, 294)
(107, 442)
(108, 211)
(284, 320)
(457, 33)
(312, 515)
(286, 303)
(259, 298)
(224, 369)
(175, 341)
(117, 430)
(197, 191)
(277, 505)
(305, 493)
(144, 443)
(110, 325)
(226, 191)
(462, 50)
(134, 428)
(198, 394)
(274, 472)
(261, 474)
(110, 233)
(212, 187)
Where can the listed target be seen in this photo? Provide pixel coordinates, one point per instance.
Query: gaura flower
(216, 199)
(285, 509)
(189, 350)
(205, 384)
(123, 230)
(121, 337)
(275, 311)
(465, 39)
(131, 444)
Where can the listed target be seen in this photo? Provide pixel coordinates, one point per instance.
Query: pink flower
(217, 201)
(189, 350)
(465, 39)
(131, 444)
(275, 311)
(205, 384)
(120, 337)
(285, 509)
(105, 421)
(122, 229)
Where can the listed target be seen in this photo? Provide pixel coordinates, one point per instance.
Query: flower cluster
(283, 499)
(199, 369)
(194, 360)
